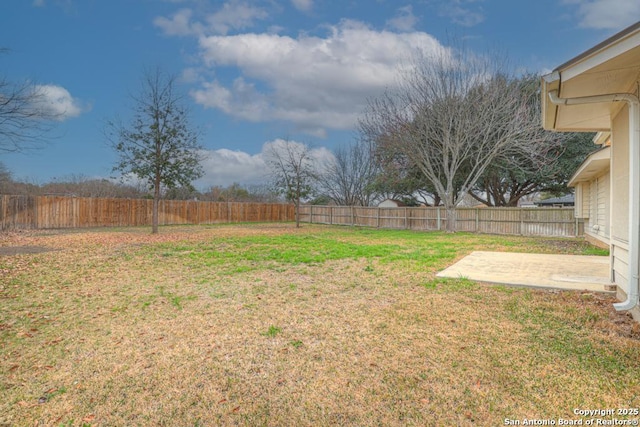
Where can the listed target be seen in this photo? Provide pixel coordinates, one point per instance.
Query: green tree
(158, 146)
(506, 181)
(532, 167)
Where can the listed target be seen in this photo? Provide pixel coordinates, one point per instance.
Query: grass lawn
(271, 325)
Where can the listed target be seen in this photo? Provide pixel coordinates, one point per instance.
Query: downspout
(634, 182)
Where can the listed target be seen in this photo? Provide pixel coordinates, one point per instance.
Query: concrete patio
(567, 272)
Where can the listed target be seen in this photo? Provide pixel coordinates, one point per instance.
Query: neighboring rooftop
(567, 200)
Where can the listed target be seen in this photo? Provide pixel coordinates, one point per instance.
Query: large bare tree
(158, 146)
(292, 170)
(452, 115)
(348, 178)
(24, 118)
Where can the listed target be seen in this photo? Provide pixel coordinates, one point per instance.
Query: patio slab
(570, 272)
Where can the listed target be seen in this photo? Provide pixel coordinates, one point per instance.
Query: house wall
(388, 204)
(620, 199)
(585, 190)
(595, 208)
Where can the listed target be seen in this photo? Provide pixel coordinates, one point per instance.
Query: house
(592, 185)
(557, 202)
(526, 204)
(597, 91)
(391, 203)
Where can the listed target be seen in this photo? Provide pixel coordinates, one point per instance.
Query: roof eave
(600, 159)
(615, 45)
(606, 44)
(550, 82)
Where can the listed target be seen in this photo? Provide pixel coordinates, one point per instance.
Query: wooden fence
(39, 212)
(519, 221)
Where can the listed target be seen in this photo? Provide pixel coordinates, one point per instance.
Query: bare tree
(24, 118)
(348, 178)
(159, 146)
(6, 179)
(292, 170)
(83, 186)
(452, 115)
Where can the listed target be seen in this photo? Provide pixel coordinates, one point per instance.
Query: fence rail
(39, 212)
(518, 221)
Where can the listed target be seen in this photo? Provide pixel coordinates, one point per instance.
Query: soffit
(594, 165)
(614, 68)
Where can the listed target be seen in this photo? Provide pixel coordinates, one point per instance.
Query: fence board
(518, 221)
(35, 212)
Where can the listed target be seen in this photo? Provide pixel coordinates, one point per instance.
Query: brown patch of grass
(124, 328)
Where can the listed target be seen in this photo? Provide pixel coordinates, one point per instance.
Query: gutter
(634, 182)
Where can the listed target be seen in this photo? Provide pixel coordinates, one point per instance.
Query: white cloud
(57, 101)
(607, 14)
(313, 82)
(462, 13)
(318, 155)
(190, 75)
(178, 25)
(303, 5)
(404, 20)
(232, 15)
(235, 15)
(224, 167)
(66, 5)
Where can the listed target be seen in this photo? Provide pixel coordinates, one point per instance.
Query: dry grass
(269, 325)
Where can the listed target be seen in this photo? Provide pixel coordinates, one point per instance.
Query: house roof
(611, 67)
(597, 163)
(568, 199)
(399, 203)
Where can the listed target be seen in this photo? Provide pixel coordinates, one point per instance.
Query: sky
(254, 72)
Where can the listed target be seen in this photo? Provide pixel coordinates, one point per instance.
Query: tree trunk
(451, 218)
(154, 214)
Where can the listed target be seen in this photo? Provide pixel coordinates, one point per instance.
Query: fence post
(378, 217)
(439, 219)
(406, 218)
(330, 215)
(353, 216)
(311, 215)
(521, 224)
(477, 219)
(36, 224)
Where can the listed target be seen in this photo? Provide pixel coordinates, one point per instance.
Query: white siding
(593, 204)
(620, 176)
(620, 265)
(582, 200)
(586, 198)
(620, 199)
(603, 205)
(596, 201)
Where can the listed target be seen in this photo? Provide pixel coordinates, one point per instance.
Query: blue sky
(255, 71)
